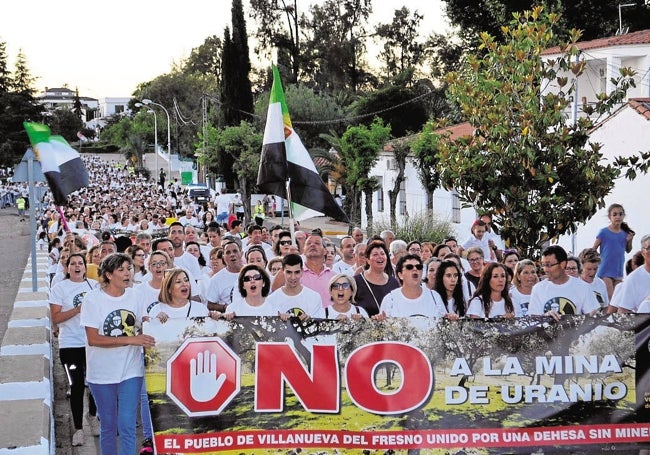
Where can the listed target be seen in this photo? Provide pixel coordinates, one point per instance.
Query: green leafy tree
(336, 46)
(240, 146)
(77, 108)
(64, 122)
(206, 59)
(360, 147)
(597, 18)
(278, 27)
(22, 81)
(424, 147)
(525, 163)
(236, 90)
(401, 49)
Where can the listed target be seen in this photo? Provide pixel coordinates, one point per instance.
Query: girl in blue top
(614, 241)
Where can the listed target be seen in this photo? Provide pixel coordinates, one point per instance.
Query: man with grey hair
(388, 237)
(636, 287)
(397, 250)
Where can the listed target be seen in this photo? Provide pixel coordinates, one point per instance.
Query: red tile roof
(640, 37)
(641, 105)
(459, 130)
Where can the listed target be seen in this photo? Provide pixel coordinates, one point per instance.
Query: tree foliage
(596, 18)
(525, 163)
(401, 48)
(360, 147)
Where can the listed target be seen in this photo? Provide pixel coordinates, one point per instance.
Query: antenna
(620, 18)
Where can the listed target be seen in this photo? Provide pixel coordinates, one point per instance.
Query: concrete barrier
(26, 380)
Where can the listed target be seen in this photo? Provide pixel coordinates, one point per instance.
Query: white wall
(625, 133)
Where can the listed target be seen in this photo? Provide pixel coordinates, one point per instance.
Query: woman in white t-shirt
(114, 354)
(412, 298)
(491, 299)
(175, 296)
(343, 290)
(254, 285)
(66, 299)
(524, 279)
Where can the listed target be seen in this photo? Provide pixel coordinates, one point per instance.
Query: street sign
(203, 376)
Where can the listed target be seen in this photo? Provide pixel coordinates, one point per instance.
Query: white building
(63, 98)
(625, 132)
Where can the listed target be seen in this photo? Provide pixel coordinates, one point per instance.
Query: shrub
(422, 226)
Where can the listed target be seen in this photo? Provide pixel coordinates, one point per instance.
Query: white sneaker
(78, 438)
(93, 422)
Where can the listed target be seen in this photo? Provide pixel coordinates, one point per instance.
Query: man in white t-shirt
(224, 282)
(294, 299)
(560, 293)
(636, 286)
(348, 263)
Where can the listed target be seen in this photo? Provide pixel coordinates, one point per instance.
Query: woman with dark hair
(376, 280)
(284, 244)
(254, 285)
(510, 259)
(114, 353)
(174, 300)
(256, 255)
(66, 299)
(491, 299)
(411, 299)
(448, 284)
(138, 256)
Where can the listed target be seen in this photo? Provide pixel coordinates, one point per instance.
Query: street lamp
(155, 134)
(169, 140)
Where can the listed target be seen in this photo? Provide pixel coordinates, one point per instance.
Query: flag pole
(59, 209)
(292, 228)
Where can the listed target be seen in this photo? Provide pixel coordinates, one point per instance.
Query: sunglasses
(248, 278)
(345, 285)
(413, 266)
(285, 242)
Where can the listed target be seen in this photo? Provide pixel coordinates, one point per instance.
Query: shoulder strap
(370, 289)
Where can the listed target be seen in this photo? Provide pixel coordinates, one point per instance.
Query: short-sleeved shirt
(572, 297)
(396, 304)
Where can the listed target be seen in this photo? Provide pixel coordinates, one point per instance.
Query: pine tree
(5, 75)
(23, 81)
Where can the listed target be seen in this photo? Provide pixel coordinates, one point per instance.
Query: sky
(105, 49)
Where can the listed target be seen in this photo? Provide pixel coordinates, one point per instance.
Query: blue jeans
(117, 406)
(145, 413)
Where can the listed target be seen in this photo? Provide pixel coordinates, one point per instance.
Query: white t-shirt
(189, 310)
(68, 295)
(520, 302)
(146, 297)
(634, 289)
(220, 288)
(112, 316)
(395, 304)
(497, 309)
(307, 301)
(240, 307)
(343, 267)
(599, 288)
(191, 265)
(330, 313)
(572, 297)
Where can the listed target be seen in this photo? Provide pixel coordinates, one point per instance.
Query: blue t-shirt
(612, 253)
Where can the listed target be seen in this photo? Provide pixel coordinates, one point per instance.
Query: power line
(331, 121)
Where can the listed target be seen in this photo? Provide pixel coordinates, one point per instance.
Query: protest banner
(261, 385)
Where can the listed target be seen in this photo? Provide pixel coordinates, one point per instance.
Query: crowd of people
(128, 250)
